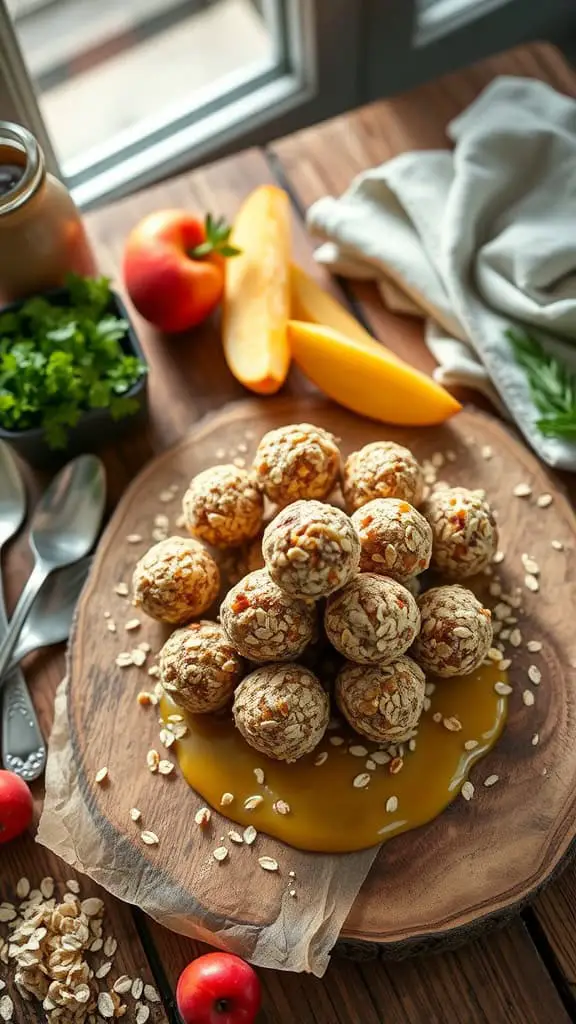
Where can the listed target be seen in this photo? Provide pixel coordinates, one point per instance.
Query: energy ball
(175, 580)
(456, 632)
(311, 549)
(263, 622)
(223, 506)
(372, 619)
(382, 702)
(298, 461)
(199, 667)
(396, 539)
(282, 711)
(465, 535)
(382, 469)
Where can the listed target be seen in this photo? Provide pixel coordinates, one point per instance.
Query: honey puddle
(327, 813)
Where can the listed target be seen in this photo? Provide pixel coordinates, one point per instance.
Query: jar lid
(20, 140)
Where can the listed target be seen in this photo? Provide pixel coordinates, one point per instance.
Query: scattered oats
(412, 744)
(47, 888)
(106, 1006)
(166, 496)
(166, 767)
(220, 853)
(137, 988)
(135, 814)
(111, 626)
(487, 452)
(132, 624)
(380, 757)
(396, 765)
(134, 538)
(106, 615)
(535, 739)
(7, 913)
(151, 994)
(515, 638)
(96, 946)
(336, 741)
(392, 804)
(143, 646)
(530, 564)
(528, 698)
(531, 583)
(292, 874)
(259, 776)
(226, 799)
(252, 802)
(453, 724)
(471, 744)
(544, 500)
(101, 775)
(557, 545)
(503, 689)
(23, 888)
(153, 760)
(138, 657)
(292, 892)
(235, 836)
(522, 491)
(360, 781)
(370, 765)
(153, 670)
(281, 807)
(150, 838)
(534, 675)
(122, 984)
(357, 750)
(498, 557)
(534, 646)
(167, 738)
(104, 969)
(494, 654)
(202, 817)
(491, 780)
(6, 1008)
(249, 834)
(320, 758)
(124, 659)
(142, 1013)
(121, 589)
(467, 790)
(268, 863)
(437, 717)
(504, 664)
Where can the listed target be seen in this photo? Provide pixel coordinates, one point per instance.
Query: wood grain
(472, 862)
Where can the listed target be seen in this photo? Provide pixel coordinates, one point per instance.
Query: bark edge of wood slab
(475, 863)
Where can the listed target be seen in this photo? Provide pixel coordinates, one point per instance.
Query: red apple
(174, 267)
(16, 807)
(218, 988)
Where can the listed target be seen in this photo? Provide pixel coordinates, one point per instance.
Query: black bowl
(95, 428)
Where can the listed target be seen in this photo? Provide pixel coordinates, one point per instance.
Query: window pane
(107, 72)
(435, 18)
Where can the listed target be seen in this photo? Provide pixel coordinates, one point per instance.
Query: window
(132, 90)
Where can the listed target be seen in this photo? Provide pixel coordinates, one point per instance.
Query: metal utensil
(64, 527)
(50, 617)
(16, 695)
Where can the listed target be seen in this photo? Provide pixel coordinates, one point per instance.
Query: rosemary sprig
(552, 386)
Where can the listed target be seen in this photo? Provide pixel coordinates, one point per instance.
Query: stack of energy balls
(327, 577)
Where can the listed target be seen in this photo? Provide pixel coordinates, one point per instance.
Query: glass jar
(42, 237)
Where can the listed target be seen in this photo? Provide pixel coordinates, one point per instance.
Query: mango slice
(366, 380)
(257, 292)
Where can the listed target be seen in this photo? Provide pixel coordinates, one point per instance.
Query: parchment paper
(299, 939)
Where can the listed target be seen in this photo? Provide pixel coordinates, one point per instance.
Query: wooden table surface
(525, 972)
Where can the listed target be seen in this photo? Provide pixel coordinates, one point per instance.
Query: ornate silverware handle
(23, 746)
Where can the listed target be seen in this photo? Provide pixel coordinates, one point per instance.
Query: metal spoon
(17, 700)
(64, 527)
(50, 617)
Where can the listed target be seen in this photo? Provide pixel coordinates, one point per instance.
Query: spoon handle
(23, 746)
(34, 583)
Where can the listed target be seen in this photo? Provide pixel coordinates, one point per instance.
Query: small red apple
(218, 988)
(174, 267)
(16, 806)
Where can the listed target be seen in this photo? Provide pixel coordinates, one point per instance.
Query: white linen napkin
(476, 240)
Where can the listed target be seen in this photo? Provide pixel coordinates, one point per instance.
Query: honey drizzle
(327, 813)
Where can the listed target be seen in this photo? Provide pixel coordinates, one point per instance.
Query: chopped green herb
(552, 386)
(60, 359)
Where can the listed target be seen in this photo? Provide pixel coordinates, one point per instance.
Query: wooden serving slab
(478, 859)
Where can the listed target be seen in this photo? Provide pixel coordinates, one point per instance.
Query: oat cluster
(465, 535)
(282, 711)
(382, 469)
(200, 668)
(223, 506)
(265, 624)
(456, 631)
(175, 580)
(382, 702)
(372, 619)
(296, 462)
(396, 539)
(311, 549)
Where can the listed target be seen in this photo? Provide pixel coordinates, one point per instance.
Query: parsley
(60, 358)
(552, 386)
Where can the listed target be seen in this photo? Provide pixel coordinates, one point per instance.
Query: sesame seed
(268, 863)
(528, 698)
(522, 490)
(149, 838)
(392, 804)
(467, 790)
(531, 583)
(534, 646)
(471, 744)
(534, 675)
(361, 781)
(249, 835)
(557, 545)
(544, 500)
(101, 775)
(491, 780)
(502, 689)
